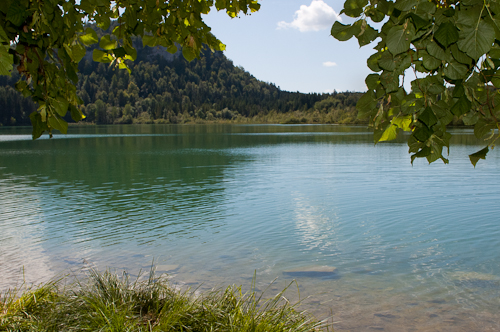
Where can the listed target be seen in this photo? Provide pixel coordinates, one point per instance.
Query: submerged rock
(478, 283)
(463, 275)
(167, 268)
(325, 272)
(475, 280)
(388, 315)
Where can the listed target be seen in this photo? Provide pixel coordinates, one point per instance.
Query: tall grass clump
(110, 302)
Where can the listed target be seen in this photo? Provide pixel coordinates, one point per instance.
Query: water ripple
(425, 236)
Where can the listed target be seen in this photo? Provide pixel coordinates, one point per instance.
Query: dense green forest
(165, 88)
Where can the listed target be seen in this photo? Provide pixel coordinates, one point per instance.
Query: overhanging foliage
(453, 50)
(46, 40)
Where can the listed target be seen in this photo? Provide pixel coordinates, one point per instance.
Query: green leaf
(372, 61)
(426, 8)
(399, 38)
(123, 65)
(418, 21)
(436, 146)
(70, 71)
(366, 104)
(39, 127)
(387, 62)
(188, 53)
(58, 123)
(16, 13)
(76, 114)
(462, 106)
(449, 12)
(460, 56)
(390, 133)
(455, 70)
(476, 41)
(107, 44)
(422, 133)
(405, 5)
(60, 105)
(495, 52)
(404, 61)
(481, 154)
(341, 31)
(378, 129)
(86, 6)
(119, 52)
(375, 14)
(385, 7)
(78, 52)
(354, 8)
(21, 85)
(446, 34)
(429, 84)
(3, 35)
(430, 62)
(495, 80)
(148, 40)
(368, 35)
(470, 118)
(468, 16)
(103, 21)
(403, 122)
(458, 90)
(372, 81)
(483, 127)
(100, 56)
(436, 51)
(102, 3)
(173, 49)
(424, 152)
(398, 97)
(131, 53)
(90, 37)
(419, 66)
(442, 112)
(254, 6)
(6, 60)
(472, 2)
(496, 102)
(390, 81)
(428, 117)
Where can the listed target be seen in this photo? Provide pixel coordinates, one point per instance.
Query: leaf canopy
(453, 48)
(46, 40)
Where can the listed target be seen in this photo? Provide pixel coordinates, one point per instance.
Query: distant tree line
(165, 88)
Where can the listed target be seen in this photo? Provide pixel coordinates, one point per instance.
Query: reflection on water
(377, 243)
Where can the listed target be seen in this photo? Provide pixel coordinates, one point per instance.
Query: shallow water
(415, 247)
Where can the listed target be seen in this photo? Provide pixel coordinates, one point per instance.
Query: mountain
(165, 88)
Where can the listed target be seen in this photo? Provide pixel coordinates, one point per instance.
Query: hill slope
(165, 88)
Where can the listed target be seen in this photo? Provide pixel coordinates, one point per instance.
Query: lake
(415, 248)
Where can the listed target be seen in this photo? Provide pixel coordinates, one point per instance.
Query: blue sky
(288, 43)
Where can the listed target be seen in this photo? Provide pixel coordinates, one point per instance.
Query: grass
(109, 302)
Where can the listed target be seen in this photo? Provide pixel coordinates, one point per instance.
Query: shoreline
(347, 308)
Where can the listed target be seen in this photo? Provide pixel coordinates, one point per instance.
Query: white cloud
(318, 16)
(329, 64)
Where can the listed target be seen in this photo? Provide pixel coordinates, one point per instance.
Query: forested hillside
(165, 88)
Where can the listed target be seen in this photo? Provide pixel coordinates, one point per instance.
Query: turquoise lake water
(416, 248)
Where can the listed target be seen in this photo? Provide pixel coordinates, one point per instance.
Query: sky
(288, 43)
